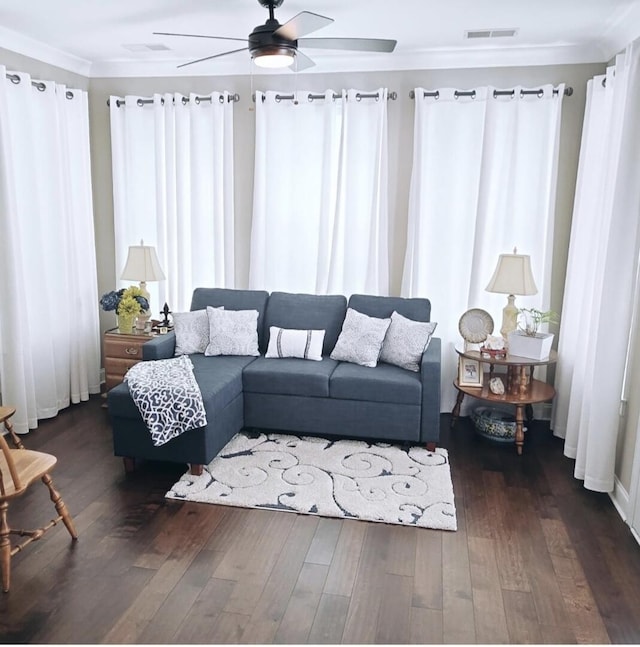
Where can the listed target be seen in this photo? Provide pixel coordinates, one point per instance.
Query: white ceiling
(89, 36)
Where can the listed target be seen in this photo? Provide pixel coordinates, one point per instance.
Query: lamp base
(509, 317)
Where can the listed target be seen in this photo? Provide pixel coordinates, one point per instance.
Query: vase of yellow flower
(125, 323)
(128, 304)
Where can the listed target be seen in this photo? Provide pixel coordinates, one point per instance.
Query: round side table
(521, 389)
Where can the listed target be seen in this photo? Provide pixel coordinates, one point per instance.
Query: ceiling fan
(274, 45)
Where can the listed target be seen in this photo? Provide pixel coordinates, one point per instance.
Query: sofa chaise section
(220, 382)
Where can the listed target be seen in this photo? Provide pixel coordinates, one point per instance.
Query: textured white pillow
(192, 331)
(405, 341)
(287, 342)
(360, 340)
(232, 332)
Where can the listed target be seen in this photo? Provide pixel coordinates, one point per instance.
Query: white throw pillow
(232, 332)
(360, 340)
(192, 331)
(405, 341)
(287, 342)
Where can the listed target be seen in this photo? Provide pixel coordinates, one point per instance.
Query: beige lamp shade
(513, 275)
(142, 265)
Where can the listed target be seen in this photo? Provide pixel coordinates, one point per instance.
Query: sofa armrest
(430, 374)
(160, 347)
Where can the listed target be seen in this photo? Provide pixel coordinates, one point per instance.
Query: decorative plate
(475, 325)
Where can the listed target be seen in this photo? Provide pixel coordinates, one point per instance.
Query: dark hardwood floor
(536, 558)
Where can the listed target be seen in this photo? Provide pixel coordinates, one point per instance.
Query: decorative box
(535, 347)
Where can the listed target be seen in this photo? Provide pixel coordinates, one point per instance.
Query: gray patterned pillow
(405, 342)
(192, 332)
(360, 340)
(232, 332)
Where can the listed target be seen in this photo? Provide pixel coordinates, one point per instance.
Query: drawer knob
(131, 350)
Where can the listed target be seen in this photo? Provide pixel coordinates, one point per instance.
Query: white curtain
(49, 330)
(173, 170)
(320, 206)
(483, 182)
(599, 288)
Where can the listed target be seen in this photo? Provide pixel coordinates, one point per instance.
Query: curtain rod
(568, 91)
(315, 97)
(185, 100)
(38, 85)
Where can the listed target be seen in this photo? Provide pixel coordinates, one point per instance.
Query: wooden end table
(121, 352)
(521, 389)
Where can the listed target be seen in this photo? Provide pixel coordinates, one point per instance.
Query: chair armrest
(430, 374)
(160, 347)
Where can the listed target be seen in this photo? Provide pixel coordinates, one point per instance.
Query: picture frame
(469, 372)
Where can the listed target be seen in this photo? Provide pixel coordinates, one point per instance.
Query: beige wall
(39, 70)
(400, 152)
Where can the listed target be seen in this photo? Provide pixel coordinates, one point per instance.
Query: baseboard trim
(620, 499)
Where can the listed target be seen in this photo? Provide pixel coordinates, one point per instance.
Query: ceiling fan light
(274, 57)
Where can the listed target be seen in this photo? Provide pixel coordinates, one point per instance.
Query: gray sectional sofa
(327, 397)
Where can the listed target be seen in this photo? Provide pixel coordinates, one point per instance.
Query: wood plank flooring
(536, 558)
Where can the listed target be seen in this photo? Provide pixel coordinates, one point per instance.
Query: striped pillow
(305, 344)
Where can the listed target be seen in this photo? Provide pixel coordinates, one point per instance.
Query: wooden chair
(19, 468)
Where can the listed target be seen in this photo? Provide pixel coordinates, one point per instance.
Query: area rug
(332, 478)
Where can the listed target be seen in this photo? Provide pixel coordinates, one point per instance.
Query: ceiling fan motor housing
(263, 40)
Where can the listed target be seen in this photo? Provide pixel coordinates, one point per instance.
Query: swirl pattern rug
(332, 478)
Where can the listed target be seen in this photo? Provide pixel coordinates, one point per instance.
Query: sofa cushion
(232, 332)
(417, 309)
(361, 338)
(405, 341)
(307, 311)
(384, 383)
(219, 379)
(305, 344)
(289, 376)
(232, 299)
(192, 331)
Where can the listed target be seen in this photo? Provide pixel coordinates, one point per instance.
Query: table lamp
(142, 265)
(512, 277)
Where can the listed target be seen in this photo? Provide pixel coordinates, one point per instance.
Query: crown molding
(40, 51)
(428, 59)
(624, 29)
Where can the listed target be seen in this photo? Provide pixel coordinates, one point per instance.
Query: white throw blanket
(167, 396)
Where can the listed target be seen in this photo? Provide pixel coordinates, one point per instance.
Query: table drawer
(123, 348)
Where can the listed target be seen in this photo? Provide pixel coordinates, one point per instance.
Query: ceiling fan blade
(168, 33)
(356, 44)
(208, 58)
(304, 23)
(302, 62)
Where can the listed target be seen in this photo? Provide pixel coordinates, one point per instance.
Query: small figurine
(166, 312)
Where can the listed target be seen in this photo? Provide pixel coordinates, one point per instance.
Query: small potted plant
(128, 304)
(527, 340)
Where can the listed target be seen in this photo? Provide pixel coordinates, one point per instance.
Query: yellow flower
(132, 291)
(128, 304)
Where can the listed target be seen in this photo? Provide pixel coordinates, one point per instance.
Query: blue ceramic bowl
(494, 424)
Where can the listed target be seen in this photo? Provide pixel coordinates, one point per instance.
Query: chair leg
(61, 508)
(5, 547)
